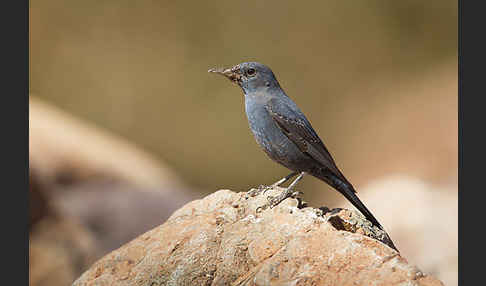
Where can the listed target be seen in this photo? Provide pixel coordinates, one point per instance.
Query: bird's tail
(350, 194)
(347, 190)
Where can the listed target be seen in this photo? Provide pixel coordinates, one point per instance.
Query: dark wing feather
(298, 129)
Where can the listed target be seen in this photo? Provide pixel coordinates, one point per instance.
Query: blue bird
(285, 134)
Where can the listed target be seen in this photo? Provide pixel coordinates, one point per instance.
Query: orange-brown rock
(227, 238)
(59, 250)
(428, 242)
(63, 147)
(38, 203)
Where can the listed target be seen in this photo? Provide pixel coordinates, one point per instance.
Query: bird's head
(250, 76)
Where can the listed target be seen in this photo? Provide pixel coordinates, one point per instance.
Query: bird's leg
(288, 192)
(284, 179)
(264, 188)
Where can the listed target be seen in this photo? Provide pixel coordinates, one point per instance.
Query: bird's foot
(274, 201)
(296, 194)
(257, 191)
(254, 192)
(264, 188)
(287, 193)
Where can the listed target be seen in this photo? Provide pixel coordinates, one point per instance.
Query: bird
(285, 134)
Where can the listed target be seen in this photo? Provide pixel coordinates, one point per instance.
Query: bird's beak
(233, 74)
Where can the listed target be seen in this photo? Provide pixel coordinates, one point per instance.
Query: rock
(66, 149)
(426, 241)
(228, 238)
(59, 250)
(38, 203)
(116, 212)
(86, 183)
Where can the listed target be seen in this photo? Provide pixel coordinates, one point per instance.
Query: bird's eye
(251, 72)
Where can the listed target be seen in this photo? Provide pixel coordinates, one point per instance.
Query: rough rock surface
(428, 242)
(227, 238)
(59, 250)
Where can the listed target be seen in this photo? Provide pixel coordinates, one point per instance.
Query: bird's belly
(275, 143)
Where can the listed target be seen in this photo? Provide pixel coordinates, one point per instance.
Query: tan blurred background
(126, 124)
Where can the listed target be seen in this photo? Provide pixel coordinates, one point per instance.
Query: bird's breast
(269, 136)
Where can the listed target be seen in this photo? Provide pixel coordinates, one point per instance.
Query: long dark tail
(347, 190)
(350, 194)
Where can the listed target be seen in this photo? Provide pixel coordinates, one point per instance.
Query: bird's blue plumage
(284, 132)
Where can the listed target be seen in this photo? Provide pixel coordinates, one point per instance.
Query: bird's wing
(297, 128)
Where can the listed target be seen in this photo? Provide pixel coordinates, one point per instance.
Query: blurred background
(126, 125)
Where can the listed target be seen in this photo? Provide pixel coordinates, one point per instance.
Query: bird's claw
(274, 201)
(264, 188)
(254, 192)
(261, 208)
(260, 190)
(296, 194)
